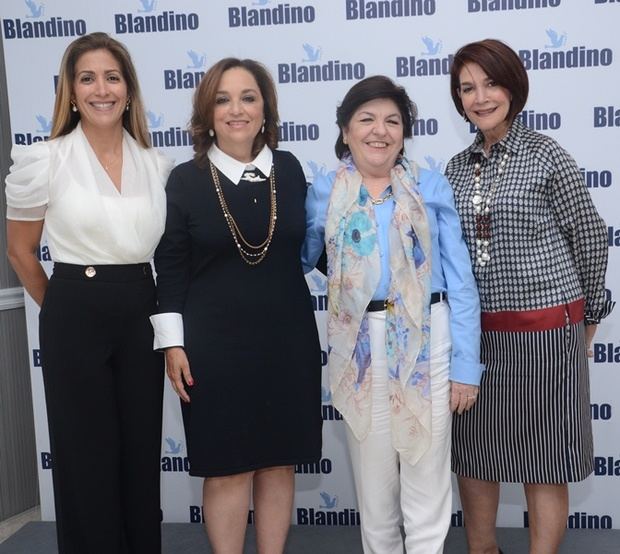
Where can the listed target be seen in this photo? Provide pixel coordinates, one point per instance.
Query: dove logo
(410, 66)
(164, 22)
(54, 27)
(174, 462)
(364, 9)
(289, 131)
(432, 47)
(326, 395)
(600, 411)
(44, 127)
(556, 40)
(36, 10)
(433, 164)
(596, 179)
(322, 467)
(506, 5)
(577, 56)
(606, 116)
(282, 14)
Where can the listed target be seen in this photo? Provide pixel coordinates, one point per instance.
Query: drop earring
(211, 133)
(262, 129)
(128, 104)
(73, 108)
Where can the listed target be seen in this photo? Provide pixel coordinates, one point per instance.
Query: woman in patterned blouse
(539, 251)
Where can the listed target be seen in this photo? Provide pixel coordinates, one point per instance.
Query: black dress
(250, 333)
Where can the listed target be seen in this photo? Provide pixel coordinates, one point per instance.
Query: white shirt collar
(234, 169)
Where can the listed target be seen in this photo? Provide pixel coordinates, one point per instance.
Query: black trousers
(104, 393)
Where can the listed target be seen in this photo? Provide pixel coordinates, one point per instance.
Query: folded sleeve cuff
(604, 311)
(468, 373)
(168, 330)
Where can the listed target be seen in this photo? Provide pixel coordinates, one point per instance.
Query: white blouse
(87, 220)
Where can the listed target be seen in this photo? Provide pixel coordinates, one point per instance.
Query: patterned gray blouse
(547, 244)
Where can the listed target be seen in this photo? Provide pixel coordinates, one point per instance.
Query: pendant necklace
(483, 203)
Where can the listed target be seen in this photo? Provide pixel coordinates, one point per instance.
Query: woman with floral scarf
(403, 319)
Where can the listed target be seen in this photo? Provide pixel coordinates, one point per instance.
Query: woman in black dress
(236, 318)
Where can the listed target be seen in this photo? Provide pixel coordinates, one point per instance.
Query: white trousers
(389, 490)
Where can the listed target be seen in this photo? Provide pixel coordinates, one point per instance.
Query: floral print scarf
(353, 275)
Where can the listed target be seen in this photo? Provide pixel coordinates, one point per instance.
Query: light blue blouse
(451, 265)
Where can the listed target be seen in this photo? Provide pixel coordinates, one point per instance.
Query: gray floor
(182, 538)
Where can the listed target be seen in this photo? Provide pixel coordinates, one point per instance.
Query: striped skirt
(531, 423)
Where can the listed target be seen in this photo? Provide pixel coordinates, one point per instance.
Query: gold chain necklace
(381, 199)
(251, 254)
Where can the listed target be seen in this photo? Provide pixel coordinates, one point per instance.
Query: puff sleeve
(164, 165)
(27, 184)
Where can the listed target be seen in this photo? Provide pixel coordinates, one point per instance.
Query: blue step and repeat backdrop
(316, 50)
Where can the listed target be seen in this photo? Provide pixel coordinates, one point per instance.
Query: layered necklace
(482, 202)
(251, 254)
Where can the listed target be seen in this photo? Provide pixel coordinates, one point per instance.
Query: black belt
(380, 305)
(107, 272)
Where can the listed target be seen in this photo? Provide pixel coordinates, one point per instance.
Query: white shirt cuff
(168, 329)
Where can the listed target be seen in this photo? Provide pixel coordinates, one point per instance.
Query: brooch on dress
(253, 177)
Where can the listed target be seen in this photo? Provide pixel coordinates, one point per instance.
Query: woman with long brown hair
(98, 190)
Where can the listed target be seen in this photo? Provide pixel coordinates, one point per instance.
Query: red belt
(534, 320)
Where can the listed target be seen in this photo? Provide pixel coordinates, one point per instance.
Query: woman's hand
(462, 397)
(590, 331)
(177, 368)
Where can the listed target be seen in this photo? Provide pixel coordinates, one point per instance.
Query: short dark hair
(204, 106)
(374, 88)
(501, 63)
